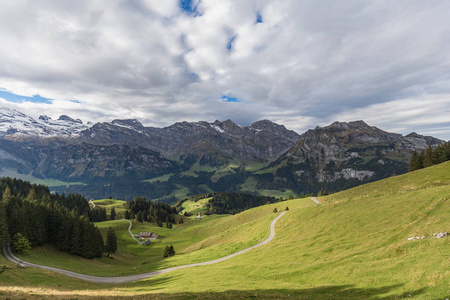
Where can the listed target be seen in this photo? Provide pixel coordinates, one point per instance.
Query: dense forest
(430, 157)
(30, 211)
(198, 184)
(232, 203)
(144, 210)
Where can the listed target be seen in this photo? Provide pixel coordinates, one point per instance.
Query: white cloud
(306, 64)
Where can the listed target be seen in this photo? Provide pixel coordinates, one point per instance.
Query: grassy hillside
(119, 206)
(195, 207)
(28, 177)
(353, 246)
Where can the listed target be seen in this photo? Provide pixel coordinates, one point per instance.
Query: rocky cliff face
(83, 162)
(347, 153)
(210, 143)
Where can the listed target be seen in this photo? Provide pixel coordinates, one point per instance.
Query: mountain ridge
(200, 157)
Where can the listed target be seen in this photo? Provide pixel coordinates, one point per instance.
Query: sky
(298, 63)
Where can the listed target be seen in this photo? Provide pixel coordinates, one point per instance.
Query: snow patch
(217, 128)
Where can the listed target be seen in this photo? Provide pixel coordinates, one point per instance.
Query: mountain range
(125, 159)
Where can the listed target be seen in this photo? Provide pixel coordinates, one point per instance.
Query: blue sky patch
(189, 6)
(230, 43)
(226, 98)
(259, 18)
(18, 98)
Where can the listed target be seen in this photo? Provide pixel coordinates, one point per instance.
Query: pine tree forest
(43, 218)
(430, 157)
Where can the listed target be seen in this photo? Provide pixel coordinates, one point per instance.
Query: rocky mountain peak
(413, 134)
(129, 123)
(348, 125)
(69, 119)
(261, 124)
(17, 124)
(416, 142)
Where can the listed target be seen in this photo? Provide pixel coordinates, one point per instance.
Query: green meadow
(107, 204)
(195, 207)
(353, 246)
(32, 179)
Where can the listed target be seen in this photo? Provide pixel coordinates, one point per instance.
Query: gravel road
(125, 279)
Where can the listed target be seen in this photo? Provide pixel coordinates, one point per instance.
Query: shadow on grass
(323, 292)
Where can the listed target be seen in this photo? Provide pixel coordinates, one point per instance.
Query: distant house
(148, 235)
(199, 216)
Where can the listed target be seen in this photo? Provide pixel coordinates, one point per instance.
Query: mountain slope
(83, 162)
(16, 125)
(214, 143)
(353, 246)
(343, 155)
(201, 157)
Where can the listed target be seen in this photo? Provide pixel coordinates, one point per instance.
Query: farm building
(148, 235)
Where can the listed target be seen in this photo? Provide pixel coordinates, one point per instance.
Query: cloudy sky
(297, 63)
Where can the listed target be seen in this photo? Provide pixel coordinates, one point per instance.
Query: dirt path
(315, 200)
(93, 204)
(125, 279)
(129, 231)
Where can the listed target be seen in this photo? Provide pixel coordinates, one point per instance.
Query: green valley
(352, 246)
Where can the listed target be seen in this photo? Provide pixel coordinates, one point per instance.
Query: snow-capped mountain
(16, 124)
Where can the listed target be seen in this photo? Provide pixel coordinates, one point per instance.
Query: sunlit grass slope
(194, 241)
(353, 246)
(195, 207)
(107, 204)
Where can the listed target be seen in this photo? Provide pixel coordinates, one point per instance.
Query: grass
(119, 206)
(32, 179)
(195, 241)
(195, 207)
(353, 246)
(162, 178)
(250, 186)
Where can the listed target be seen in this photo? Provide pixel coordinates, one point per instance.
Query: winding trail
(129, 231)
(125, 279)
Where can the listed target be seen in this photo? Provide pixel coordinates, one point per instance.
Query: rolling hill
(352, 246)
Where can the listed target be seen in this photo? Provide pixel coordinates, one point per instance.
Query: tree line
(429, 157)
(233, 203)
(143, 210)
(42, 218)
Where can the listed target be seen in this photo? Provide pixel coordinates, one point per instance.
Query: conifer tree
(166, 251)
(111, 242)
(32, 196)
(171, 251)
(139, 217)
(75, 239)
(21, 244)
(3, 226)
(414, 162)
(113, 213)
(428, 158)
